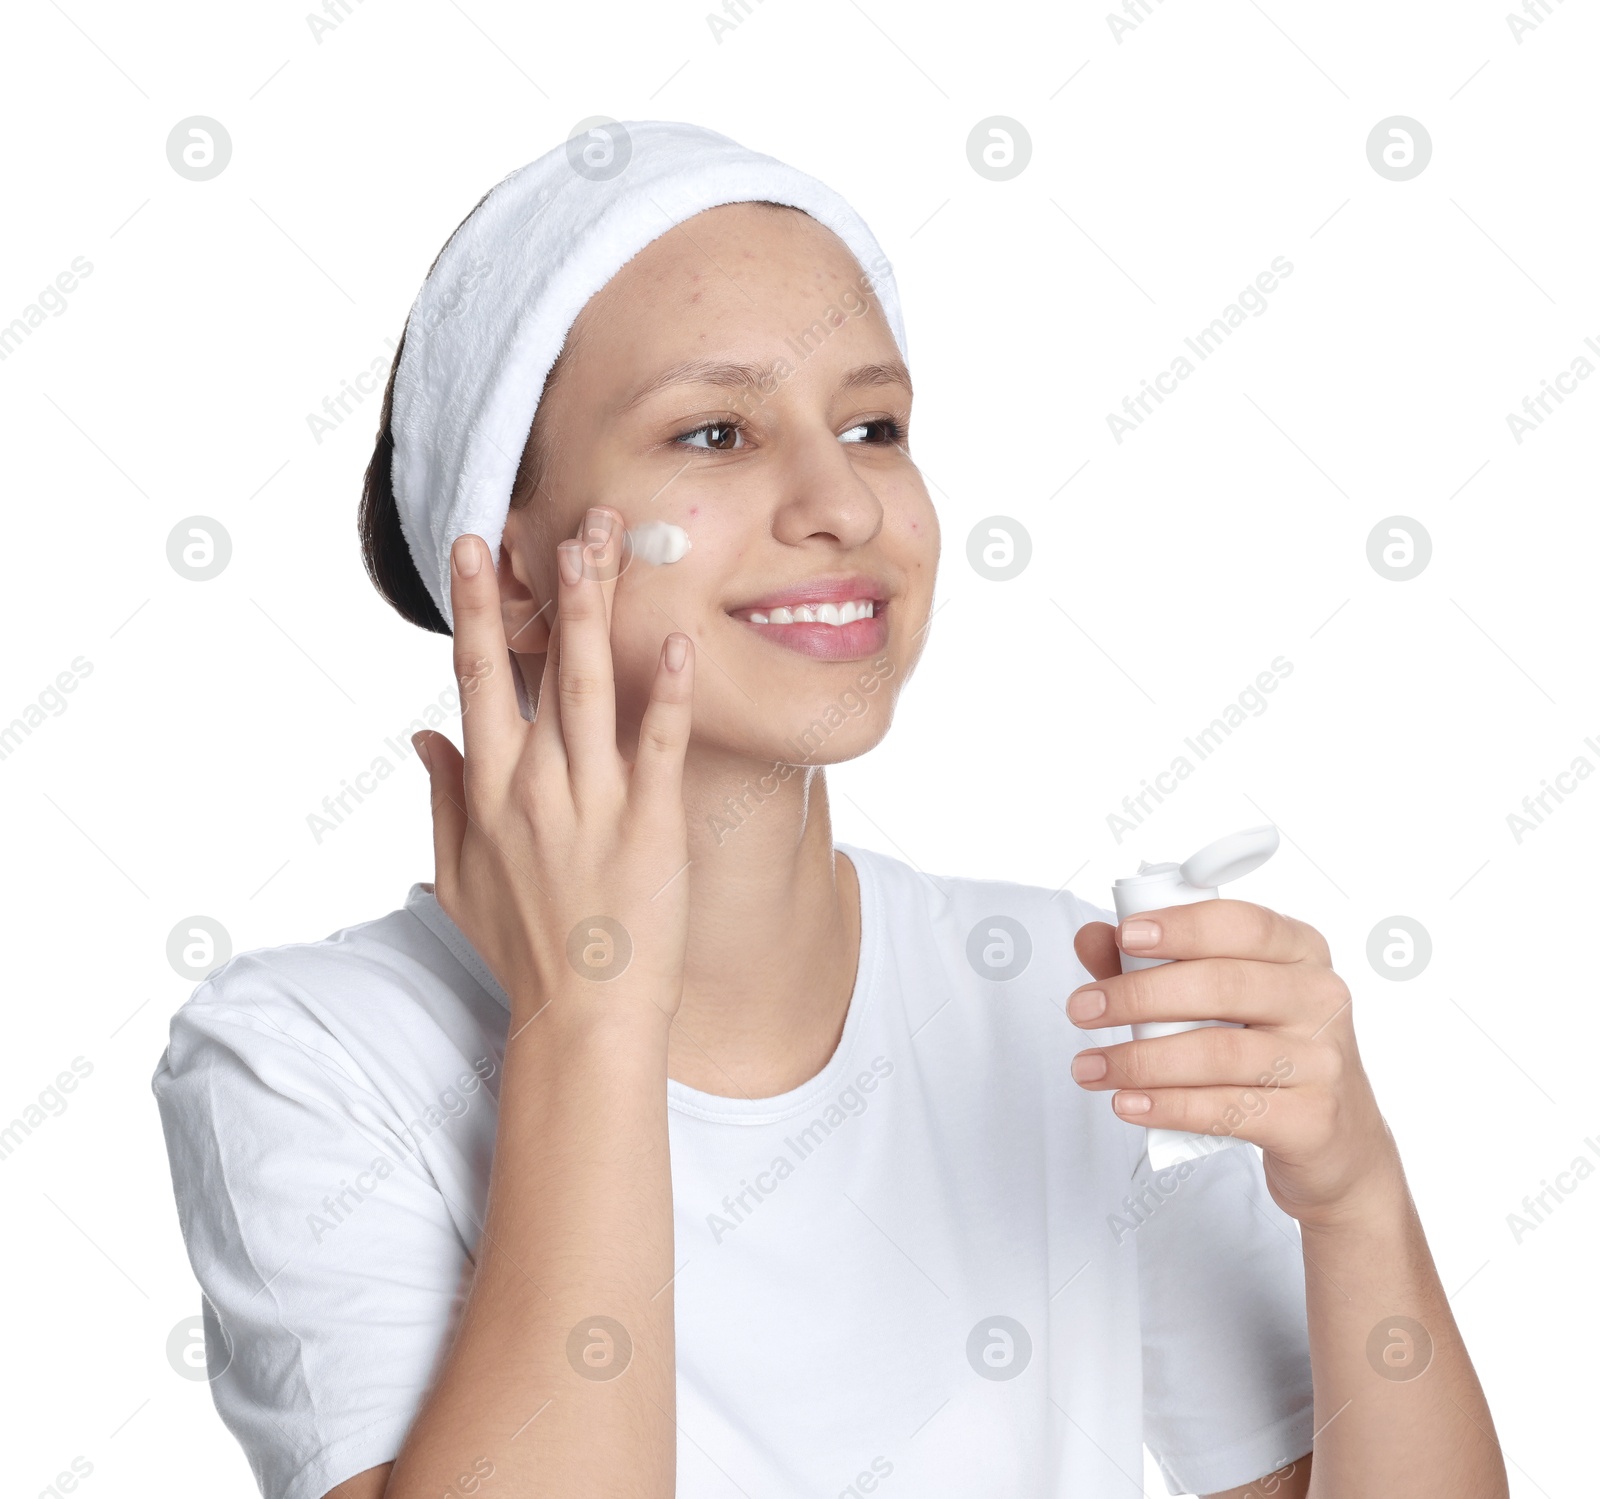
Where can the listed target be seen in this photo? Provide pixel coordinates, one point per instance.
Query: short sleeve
(330, 1264)
(1227, 1362)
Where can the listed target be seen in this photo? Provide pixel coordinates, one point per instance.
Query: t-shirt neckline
(682, 1099)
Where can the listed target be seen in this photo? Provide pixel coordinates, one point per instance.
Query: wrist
(1375, 1201)
(630, 1018)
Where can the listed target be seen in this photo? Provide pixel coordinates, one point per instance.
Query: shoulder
(349, 1008)
(1004, 949)
(969, 979)
(963, 903)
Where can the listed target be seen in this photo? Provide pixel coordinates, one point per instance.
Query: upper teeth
(822, 614)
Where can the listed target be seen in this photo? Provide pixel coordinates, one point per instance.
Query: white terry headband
(497, 306)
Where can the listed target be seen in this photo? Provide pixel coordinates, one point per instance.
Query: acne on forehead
(685, 277)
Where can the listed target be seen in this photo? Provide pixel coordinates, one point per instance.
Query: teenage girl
(661, 1145)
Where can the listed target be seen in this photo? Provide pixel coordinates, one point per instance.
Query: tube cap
(1230, 858)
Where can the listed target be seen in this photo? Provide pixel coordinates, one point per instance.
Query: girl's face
(736, 379)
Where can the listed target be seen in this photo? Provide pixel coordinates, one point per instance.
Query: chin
(831, 730)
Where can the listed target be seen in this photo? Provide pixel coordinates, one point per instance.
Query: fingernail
(1088, 1067)
(1140, 934)
(466, 556)
(597, 525)
(677, 651)
(419, 742)
(1090, 1004)
(1131, 1103)
(569, 558)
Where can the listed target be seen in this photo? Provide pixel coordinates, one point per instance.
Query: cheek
(919, 530)
(647, 607)
(637, 631)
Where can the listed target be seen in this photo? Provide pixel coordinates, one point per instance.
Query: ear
(527, 618)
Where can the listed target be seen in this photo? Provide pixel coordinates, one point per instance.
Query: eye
(884, 429)
(721, 437)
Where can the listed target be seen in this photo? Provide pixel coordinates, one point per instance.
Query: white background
(1167, 170)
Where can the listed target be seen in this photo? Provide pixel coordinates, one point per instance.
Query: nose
(823, 497)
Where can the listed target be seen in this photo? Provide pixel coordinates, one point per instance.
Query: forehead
(740, 282)
(736, 257)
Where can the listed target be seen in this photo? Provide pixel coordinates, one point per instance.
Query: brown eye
(885, 429)
(721, 437)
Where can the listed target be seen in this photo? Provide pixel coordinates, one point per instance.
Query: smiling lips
(832, 619)
(846, 613)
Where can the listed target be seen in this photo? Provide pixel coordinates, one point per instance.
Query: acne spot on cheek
(694, 510)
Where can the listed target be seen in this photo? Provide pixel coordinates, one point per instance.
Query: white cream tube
(1186, 884)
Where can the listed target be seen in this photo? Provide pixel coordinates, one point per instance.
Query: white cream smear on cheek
(659, 542)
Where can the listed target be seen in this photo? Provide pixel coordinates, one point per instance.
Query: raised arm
(564, 865)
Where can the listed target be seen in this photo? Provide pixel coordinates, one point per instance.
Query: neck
(774, 930)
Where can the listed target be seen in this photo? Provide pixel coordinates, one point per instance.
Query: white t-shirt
(938, 1268)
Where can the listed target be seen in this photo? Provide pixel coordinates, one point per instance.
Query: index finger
(1235, 989)
(1221, 929)
(492, 726)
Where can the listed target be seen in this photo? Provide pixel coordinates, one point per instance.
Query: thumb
(447, 793)
(1096, 946)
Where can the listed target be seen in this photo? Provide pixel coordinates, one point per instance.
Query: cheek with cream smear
(658, 542)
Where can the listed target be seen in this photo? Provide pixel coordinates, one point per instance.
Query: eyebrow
(739, 375)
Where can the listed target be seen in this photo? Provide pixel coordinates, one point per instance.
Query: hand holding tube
(1284, 1074)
